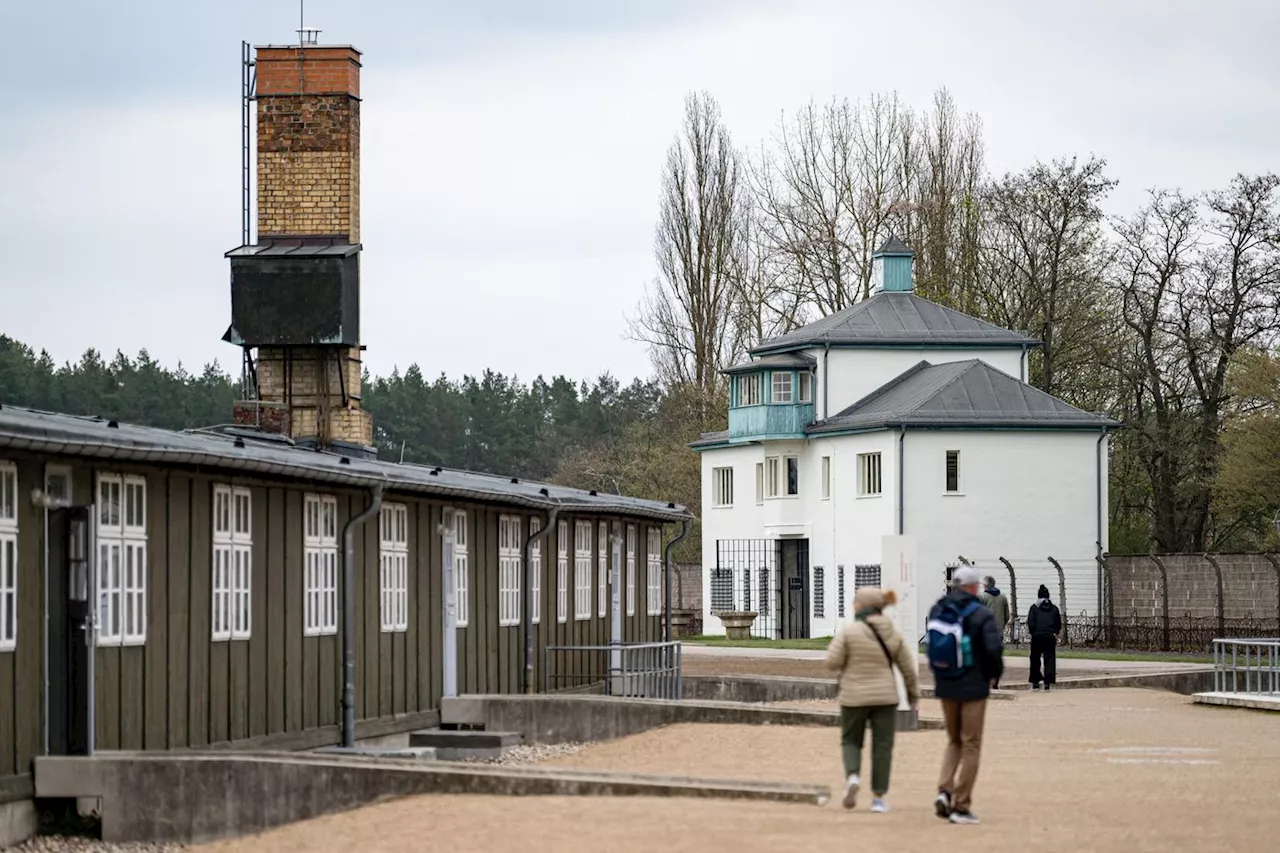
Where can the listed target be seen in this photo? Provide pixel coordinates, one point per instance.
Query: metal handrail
(1247, 666)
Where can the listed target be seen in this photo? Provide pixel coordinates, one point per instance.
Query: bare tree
(689, 318)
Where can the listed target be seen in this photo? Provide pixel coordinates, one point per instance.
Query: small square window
(782, 387)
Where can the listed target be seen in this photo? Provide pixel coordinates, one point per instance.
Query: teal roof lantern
(891, 267)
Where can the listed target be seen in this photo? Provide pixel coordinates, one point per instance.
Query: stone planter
(680, 622)
(737, 624)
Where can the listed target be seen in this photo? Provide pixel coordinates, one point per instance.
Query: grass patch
(811, 643)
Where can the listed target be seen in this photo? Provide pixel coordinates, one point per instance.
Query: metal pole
(349, 616)
(615, 628)
(527, 587)
(449, 642)
(666, 632)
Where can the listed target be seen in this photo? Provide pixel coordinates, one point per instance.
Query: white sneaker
(964, 817)
(879, 806)
(851, 790)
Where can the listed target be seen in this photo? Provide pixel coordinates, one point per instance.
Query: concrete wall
(1249, 584)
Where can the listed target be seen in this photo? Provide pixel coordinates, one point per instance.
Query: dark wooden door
(70, 661)
(794, 572)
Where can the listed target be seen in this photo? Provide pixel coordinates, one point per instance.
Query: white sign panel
(899, 572)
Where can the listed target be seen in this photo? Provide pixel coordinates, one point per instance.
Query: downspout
(826, 379)
(527, 620)
(349, 616)
(902, 485)
(1022, 365)
(666, 635)
(1098, 475)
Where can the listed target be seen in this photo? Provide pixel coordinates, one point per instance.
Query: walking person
(966, 654)
(1044, 623)
(865, 652)
(998, 603)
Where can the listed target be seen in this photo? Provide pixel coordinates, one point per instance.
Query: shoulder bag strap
(883, 647)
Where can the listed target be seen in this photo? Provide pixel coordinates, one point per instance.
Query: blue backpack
(949, 649)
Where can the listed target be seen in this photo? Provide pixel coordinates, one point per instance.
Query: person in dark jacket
(1044, 622)
(964, 700)
(998, 603)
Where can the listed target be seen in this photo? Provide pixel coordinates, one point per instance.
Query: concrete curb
(195, 798)
(1186, 682)
(776, 688)
(1239, 700)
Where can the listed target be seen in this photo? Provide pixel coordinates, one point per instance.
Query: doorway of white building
(793, 591)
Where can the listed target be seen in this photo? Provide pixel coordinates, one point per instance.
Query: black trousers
(1044, 646)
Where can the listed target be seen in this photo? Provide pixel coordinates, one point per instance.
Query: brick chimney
(296, 290)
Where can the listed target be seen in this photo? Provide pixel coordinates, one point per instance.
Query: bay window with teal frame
(771, 403)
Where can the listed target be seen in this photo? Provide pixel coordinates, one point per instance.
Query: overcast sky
(511, 149)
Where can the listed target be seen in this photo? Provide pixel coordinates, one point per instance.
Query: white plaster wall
(856, 372)
(1026, 496)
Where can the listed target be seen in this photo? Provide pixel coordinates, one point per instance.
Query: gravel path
(1109, 771)
(73, 844)
(531, 753)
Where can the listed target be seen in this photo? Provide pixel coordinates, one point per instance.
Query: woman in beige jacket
(865, 652)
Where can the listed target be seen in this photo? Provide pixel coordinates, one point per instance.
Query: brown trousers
(964, 721)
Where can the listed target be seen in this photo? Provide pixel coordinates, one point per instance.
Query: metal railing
(1247, 666)
(640, 670)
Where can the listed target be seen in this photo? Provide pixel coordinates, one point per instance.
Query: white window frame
(602, 569)
(804, 391)
(826, 478)
(759, 483)
(320, 565)
(782, 387)
(232, 567)
(870, 475)
(8, 557)
(393, 567)
(946, 464)
(462, 566)
(509, 528)
(631, 570)
(749, 390)
(653, 573)
(722, 486)
(535, 572)
(122, 559)
(777, 484)
(562, 571)
(581, 570)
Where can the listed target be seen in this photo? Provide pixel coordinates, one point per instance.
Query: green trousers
(853, 726)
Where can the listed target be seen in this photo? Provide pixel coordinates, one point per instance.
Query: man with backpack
(998, 603)
(966, 655)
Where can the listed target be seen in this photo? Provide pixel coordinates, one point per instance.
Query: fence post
(1013, 595)
(1275, 564)
(1062, 596)
(1111, 600)
(1222, 604)
(1164, 604)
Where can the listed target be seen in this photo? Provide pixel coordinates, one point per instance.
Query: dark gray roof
(894, 246)
(793, 360)
(98, 438)
(295, 249)
(959, 394)
(897, 319)
(710, 439)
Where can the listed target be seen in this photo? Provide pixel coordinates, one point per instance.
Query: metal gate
(767, 576)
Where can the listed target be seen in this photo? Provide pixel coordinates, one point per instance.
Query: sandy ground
(1097, 770)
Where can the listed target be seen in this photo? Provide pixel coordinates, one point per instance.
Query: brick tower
(295, 292)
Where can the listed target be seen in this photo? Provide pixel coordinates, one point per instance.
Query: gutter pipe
(349, 616)
(667, 571)
(902, 485)
(1098, 474)
(527, 621)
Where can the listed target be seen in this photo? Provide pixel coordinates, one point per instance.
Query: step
(464, 739)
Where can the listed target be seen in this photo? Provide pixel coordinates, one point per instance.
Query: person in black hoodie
(964, 698)
(1043, 623)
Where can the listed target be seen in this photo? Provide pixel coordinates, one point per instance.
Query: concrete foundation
(464, 745)
(18, 822)
(774, 688)
(194, 798)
